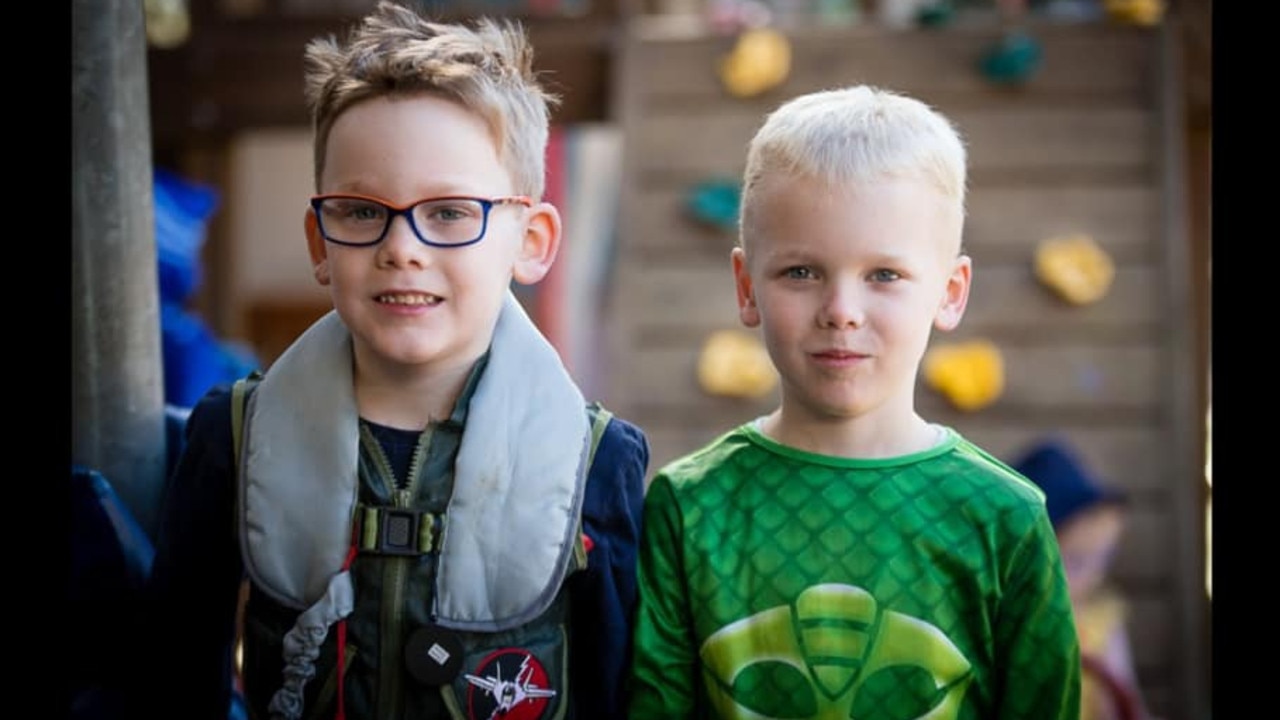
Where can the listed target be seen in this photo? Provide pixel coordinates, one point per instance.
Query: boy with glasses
(843, 557)
(433, 521)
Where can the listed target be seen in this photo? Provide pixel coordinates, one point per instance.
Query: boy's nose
(842, 307)
(400, 247)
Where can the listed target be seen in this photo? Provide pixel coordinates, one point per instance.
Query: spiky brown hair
(486, 66)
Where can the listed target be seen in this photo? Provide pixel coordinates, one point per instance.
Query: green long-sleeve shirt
(776, 583)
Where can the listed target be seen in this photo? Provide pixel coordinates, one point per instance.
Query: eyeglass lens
(446, 221)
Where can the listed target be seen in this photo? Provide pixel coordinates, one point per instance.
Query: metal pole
(117, 373)
(1182, 383)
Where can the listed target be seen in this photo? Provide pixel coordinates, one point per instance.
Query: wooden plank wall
(1077, 150)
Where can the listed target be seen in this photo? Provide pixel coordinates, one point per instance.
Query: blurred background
(1089, 126)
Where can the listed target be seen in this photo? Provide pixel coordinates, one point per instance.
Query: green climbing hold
(937, 14)
(716, 203)
(1013, 60)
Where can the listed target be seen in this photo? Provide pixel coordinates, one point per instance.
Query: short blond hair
(855, 135)
(486, 67)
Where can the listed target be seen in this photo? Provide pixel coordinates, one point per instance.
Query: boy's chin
(407, 355)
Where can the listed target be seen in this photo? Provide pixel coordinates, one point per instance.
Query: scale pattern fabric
(776, 583)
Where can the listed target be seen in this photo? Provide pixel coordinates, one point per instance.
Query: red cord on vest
(342, 640)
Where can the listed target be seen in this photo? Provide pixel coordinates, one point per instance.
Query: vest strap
(386, 530)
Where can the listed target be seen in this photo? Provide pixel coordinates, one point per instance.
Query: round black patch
(433, 655)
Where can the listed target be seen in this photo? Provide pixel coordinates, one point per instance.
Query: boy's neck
(408, 400)
(873, 436)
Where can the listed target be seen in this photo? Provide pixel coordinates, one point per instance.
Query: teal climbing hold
(1013, 60)
(716, 203)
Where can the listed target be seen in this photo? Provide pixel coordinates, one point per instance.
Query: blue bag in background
(194, 358)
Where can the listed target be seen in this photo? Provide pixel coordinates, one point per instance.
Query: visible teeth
(405, 299)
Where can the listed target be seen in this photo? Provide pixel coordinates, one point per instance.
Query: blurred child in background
(1089, 519)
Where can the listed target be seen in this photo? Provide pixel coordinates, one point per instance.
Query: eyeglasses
(360, 220)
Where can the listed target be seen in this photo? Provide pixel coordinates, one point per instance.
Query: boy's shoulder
(617, 425)
(616, 438)
(713, 461)
(210, 416)
(991, 480)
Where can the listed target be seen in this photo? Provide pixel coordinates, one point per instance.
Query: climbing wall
(1079, 149)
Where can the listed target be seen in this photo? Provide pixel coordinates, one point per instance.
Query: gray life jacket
(498, 551)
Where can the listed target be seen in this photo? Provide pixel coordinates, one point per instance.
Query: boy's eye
(884, 275)
(799, 272)
(367, 212)
(452, 211)
(354, 210)
(448, 213)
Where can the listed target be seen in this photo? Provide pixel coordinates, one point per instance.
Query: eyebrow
(801, 256)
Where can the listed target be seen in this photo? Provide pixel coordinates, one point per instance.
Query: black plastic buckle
(398, 532)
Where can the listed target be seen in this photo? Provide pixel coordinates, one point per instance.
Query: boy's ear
(540, 244)
(956, 296)
(748, 313)
(316, 247)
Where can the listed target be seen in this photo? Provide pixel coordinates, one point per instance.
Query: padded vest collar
(519, 477)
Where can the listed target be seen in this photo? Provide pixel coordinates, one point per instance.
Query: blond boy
(842, 556)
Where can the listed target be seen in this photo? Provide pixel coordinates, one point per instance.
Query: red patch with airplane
(508, 684)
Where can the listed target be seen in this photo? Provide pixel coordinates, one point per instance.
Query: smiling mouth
(409, 299)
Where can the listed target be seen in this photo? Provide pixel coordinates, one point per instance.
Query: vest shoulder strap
(240, 398)
(600, 417)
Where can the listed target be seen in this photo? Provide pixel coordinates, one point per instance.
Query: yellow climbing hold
(969, 374)
(1135, 12)
(734, 363)
(759, 61)
(1075, 267)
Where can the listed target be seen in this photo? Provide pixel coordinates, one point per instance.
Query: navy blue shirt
(193, 592)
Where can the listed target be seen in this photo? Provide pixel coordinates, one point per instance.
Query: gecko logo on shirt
(836, 656)
(509, 684)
